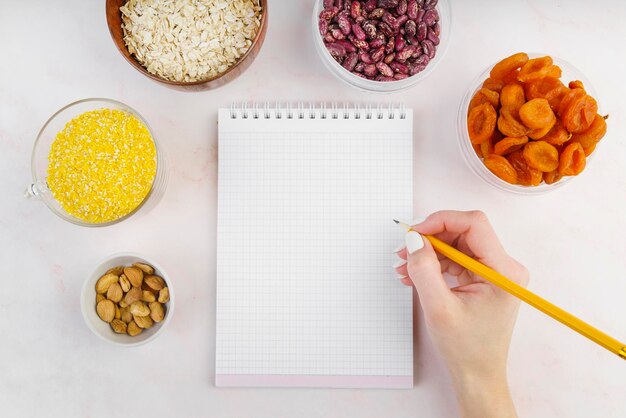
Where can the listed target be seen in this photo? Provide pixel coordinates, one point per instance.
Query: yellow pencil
(525, 295)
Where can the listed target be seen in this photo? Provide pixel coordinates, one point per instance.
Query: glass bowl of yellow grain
(96, 162)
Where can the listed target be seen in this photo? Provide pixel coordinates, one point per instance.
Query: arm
(471, 324)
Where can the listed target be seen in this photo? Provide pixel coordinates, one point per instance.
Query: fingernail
(400, 277)
(397, 250)
(399, 264)
(414, 241)
(418, 221)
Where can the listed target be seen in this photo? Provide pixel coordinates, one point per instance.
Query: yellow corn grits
(101, 165)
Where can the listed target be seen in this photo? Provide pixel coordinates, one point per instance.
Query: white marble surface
(572, 240)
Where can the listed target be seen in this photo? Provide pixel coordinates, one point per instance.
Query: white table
(572, 240)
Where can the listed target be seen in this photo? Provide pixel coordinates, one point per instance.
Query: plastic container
(475, 163)
(445, 16)
(103, 329)
(39, 190)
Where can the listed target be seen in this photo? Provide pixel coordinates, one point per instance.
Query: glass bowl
(475, 163)
(445, 16)
(39, 189)
(88, 301)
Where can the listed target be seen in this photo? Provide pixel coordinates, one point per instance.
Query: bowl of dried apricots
(529, 123)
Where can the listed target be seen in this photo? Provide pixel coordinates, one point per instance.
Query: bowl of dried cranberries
(529, 123)
(381, 45)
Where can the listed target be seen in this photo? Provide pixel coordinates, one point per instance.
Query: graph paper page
(306, 295)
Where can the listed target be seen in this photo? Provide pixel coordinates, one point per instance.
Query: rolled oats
(189, 40)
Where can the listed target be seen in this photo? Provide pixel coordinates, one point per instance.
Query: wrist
(492, 378)
(483, 393)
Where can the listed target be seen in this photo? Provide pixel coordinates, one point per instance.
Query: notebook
(306, 295)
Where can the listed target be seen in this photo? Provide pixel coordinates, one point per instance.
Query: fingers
(401, 252)
(425, 272)
(475, 237)
(407, 282)
(400, 268)
(478, 233)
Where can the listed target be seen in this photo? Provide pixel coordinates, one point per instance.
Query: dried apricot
(507, 65)
(589, 150)
(493, 84)
(573, 160)
(538, 89)
(501, 167)
(509, 144)
(541, 156)
(548, 88)
(477, 150)
(510, 124)
(511, 77)
(568, 99)
(580, 113)
(576, 84)
(558, 134)
(486, 148)
(526, 175)
(593, 134)
(485, 95)
(552, 177)
(481, 123)
(539, 133)
(538, 68)
(512, 96)
(537, 114)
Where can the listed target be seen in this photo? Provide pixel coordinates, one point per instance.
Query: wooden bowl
(114, 21)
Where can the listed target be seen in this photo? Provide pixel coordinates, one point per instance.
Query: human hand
(471, 324)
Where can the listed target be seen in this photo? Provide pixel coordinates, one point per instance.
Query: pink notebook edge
(314, 381)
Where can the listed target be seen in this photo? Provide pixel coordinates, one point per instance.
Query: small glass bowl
(475, 163)
(39, 189)
(445, 16)
(88, 301)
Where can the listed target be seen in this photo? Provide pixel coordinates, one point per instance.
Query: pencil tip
(396, 221)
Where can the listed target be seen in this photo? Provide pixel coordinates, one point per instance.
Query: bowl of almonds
(127, 299)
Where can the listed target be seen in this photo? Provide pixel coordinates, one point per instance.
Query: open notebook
(306, 295)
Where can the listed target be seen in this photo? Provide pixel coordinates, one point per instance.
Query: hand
(471, 324)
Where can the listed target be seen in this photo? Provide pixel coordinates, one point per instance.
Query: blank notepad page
(306, 295)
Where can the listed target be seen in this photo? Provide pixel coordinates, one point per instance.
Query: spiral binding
(313, 111)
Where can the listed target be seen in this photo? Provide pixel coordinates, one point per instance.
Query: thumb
(425, 271)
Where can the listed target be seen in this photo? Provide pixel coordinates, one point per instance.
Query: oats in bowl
(189, 40)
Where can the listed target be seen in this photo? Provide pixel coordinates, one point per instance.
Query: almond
(134, 275)
(148, 296)
(164, 295)
(144, 322)
(156, 311)
(118, 326)
(125, 283)
(103, 283)
(155, 282)
(144, 267)
(126, 316)
(133, 295)
(133, 329)
(106, 310)
(115, 294)
(116, 270)
(139, 309)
